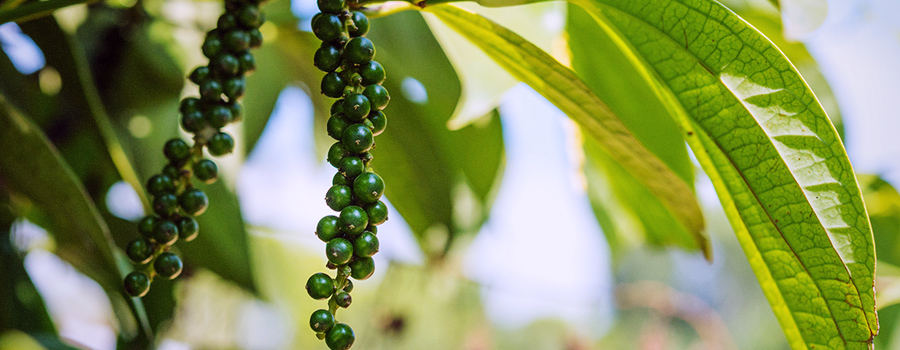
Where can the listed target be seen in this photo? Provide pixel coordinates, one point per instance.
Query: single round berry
(356, 107)
(351, 167)
(173, 172)
(159, 184)
(365, 245)
(220, 144)
(139, 251)
(165, 232)
(211, 90)
(340, 337)
(199, 74)
(321, 321)
(348, 287)
(359, 50)
(176, 150)
(328, 27)
(165, 204)
(362, 269)
(333, 85)
(193, 201)
(331, 6)
(339, 179)
(379, 122)
(218, 116)
(378, 96)
(336, 125)
(327, 58)
(371, 73)
(147, 225)
(168, 265)
(337, 107)
(256, 38)
(336, 153)
(339, 251)
(360, 22)
(246, 62)
(319, 286)
(377, 212)
(212, 46)
(368, 187)
(226, 64)
(137, 284)
(249, 17)
(353, 220)
(226, 21)
(327, 228)
(236, 40)
(357, 138)
(343, 299)
(234, 88)
(189, 104)
(188, 228)
(193, 121)
(338, 197)
(206, 170)
(237, 112)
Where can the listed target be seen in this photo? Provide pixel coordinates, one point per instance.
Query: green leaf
(775, 159)
(564, 89)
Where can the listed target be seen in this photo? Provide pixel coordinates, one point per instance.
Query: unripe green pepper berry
(338, 197)
(193, 121)
(336, 153)
(336, 125)
(188, 229)
(327, 58)
(371, 73)
(147, 225)
(159, 184)
(362, 268)
(357, 138)
(140, 251)
(321, 321)
(176, 150)
(365, 245)
(368, 187)
(328, 27)
(249, 17)
(359, 50)
(339, 251)
(353, 220)
(343, 299)
(236, 40)
(237, 112)
(246, 62)
(331, 6)
(366, 158)
(193, 201)
(137, 284)
(340, 337)
(379, 122)
(356, 107)
(226, 64)
(165, 232)
(350, 167)
(348, 287)
(360, 22)
(327, 228)
(211, 90)
(226, 21)
(333, 85)
(378, 96)
(256, 38)
(339, 179)
(168, 265)
(212, 46)
(377, 213)
(173, 172)
(234, 88)
(218, 116)
(337, 107)
(199, 75)
(319, 286)
(220, 144)
(206, 171)
(165, 204)
(189, 104)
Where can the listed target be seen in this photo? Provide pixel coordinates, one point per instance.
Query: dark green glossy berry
(218, 116)
(327, 58)
(247, 62)
(173, 172)
(237, 111)
(199, 75)
(176, 150)
(139, 251)
(333, 85)
(336, 125)
(340, 337)
(137, 284)
(357, 138)
(339, 179)
(337, 107)
(220, 144)
(165, 232)
(193, 201)
(165, 204)
(327, 228)
(356, 107)
(371, 73)
(168, 265)
(343, 299)
(339, 251)
(188, 229)
(360, 22)
(249, 17)
(212, 46)
(211, 90)
(365, 245)
(321, 321)
(159, 184)
(256, 38)
(147, 225)
(236, 41)
(359, 50)
(226, 64)
(378, 96)
(368, 187)
(379, 122)
(193, 121)
(189, 104)
(338, 197)
(331, 6)
(348, 287)
(351, 167)
(336, 153)
(353, 220)
(206, 170)
(319, 286)
(234, 88)
(226, 22)
(328, 27)
(362, 269)
(377, 212)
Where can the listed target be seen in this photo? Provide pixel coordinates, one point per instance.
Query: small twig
(37, 9)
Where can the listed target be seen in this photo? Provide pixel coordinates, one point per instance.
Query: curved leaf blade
(778, 165)
(564, 89)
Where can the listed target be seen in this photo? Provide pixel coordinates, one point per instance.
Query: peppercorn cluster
(356, 118)
(175, 199)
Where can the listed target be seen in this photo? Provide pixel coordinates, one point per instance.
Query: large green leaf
(563, 88)
(775, 159)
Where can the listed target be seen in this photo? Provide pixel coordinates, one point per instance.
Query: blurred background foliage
(95, 114)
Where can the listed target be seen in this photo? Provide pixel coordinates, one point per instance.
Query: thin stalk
(37, 9)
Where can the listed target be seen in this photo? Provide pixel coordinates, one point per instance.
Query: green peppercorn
(327, 58)
(359, 50)
(193, 121)
(246, 62)
(249, 17)
(339, 179)
(337, 107)
(173, 172)
(199, 75)
(338, 197)
(327, 228)
(319, 286)
(147, 225)
(357, 138)
(321, 321)
(226, 64)
(328, 27)
(377, 213)
(211, 90)
(371, 73)
(189, 104)
(159, 184)
(340, 337)
(188, 229)
(378, 96)
(165, 204)
(356, 107)
(348, 287)
(336, 153)
(333, 85)
(218, 116)
(362, 268)
(226, 21)
(368, 187)
(137, 284)
(234, 88)
(353, 220)
(220, 144)
(139, 251)
(236, 40)
(365, 245)
(193, 201)
(256, 38)
(212, 46)
(343, 299)
(206, 170)
(351, 167)
(176, 150)
(360, 22)
(165, 232)
(331, 6)
(336, 125)
(168, 265)
(379, 122)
